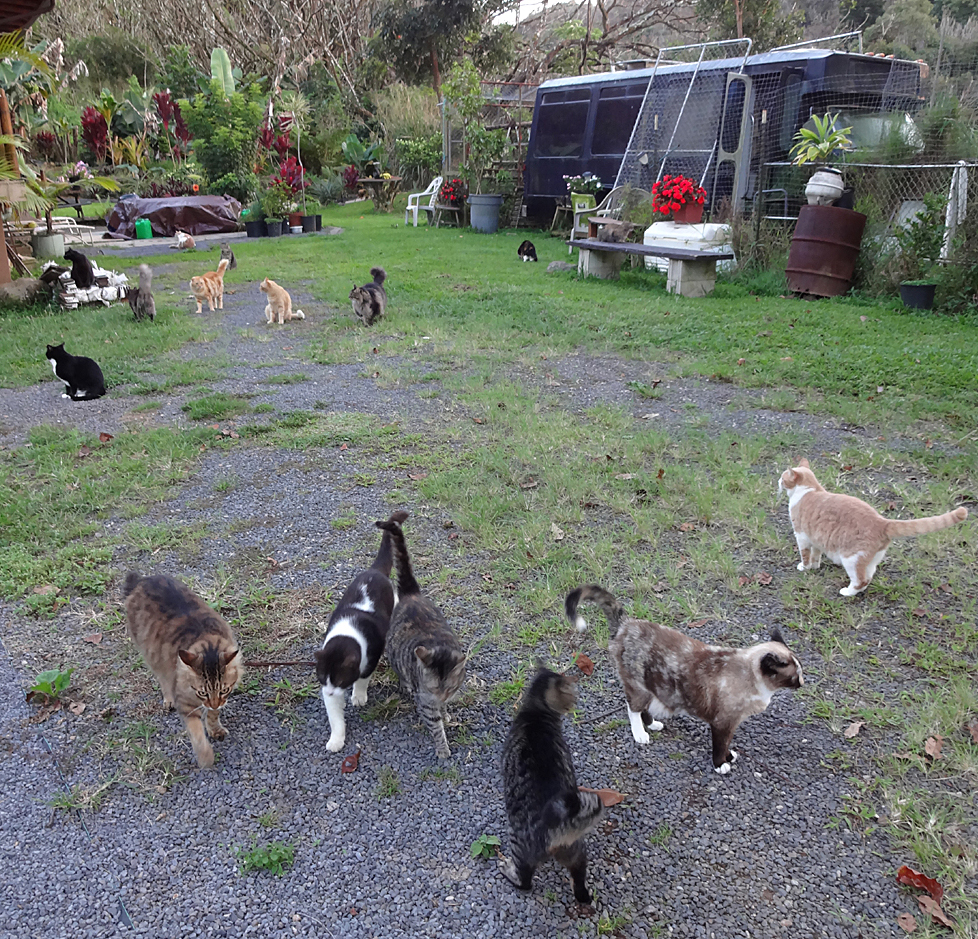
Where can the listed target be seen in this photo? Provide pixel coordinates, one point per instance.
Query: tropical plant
(95, 132)
(816, 144)
(49, 190)
(368, 159)
(275, 202)
(221, 73)
(328, 189)
(587, 184)
(921, 239)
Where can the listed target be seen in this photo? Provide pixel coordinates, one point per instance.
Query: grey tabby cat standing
(227, 253)
(664, 671)
(191, 651)
(370, 300)
(422, 648)
(141, 300)
(548, 816)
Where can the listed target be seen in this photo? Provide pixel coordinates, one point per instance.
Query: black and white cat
(663, 671)
(82, 377)
(370, 300)
(548, 815)
(355, 639)
(526, 251)
(82, 272)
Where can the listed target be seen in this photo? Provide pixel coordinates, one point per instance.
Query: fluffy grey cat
(422, 648)
(141, 299)
(664, 671)
(548, 816)
(370, 300)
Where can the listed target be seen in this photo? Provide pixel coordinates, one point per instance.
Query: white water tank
(706, 236)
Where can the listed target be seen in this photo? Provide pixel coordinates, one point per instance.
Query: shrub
(240, 186)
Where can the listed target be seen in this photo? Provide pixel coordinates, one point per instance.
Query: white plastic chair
(414, 201)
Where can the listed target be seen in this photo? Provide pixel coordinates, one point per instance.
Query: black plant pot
(308, 223)
(273, 227)
(319, 223)
(918, 296)
(255, 229)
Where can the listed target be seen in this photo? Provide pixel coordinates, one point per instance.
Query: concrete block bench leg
(691, 278)
(603, 264)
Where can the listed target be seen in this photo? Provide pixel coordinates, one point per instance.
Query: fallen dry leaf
(932, 747)
(744, 581)
(556, 531)
(929, 905)
(697, 624)
(973, 730)
(853, 729)
(920, 611)
(77, 707)
(417, 475)
(584, 664)
(660, 474)
(741, 361)
(908, 877)
(94, 638)
(906, 922)
(478, 420)
(687, 526)
(764, 578)
(343, 446)
(83, 452)
(104, 437)
(45, 589)
(608, 797)
(529, 484)
(350, 762)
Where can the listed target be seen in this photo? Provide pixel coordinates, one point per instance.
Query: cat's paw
(655, 725)
(335, 743)
(848, 591)
(63, 395)
(217, 733)
(723, 769)
(801, 566)
(205, 756)
(641, 736)
(734, 756)
(358, 697)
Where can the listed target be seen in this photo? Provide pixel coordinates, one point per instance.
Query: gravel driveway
(384, 851)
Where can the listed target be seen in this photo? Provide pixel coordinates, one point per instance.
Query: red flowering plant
(95, 132)
(671, 193)
(452, 192)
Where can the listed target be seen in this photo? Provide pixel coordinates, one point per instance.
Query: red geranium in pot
(680, 198)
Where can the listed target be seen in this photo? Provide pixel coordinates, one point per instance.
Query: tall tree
(764, 21)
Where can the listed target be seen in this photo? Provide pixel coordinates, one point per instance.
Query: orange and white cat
(279, 307)
(210, 287)
(848, 531)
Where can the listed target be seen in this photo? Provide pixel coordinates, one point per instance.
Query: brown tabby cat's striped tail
(612, 608)
(406, 583)
(385, 556)
(921, 526)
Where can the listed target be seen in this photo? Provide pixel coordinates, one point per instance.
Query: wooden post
(6, 127)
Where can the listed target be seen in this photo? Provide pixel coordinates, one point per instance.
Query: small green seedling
(485, 846)
(51, 684)
(275, 857)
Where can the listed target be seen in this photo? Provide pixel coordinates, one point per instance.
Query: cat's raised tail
(612, 608)
(406, 582)
(385, 554)
(895, 528)
(378, 274)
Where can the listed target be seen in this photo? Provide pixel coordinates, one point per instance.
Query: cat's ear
(228, 656)
(189, 658)
(424, 655)
(777, 637)
(771, 664)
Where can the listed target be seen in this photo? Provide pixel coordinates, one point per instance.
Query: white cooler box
(707, 236)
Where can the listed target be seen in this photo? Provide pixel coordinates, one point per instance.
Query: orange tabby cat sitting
(845, 529)
(279, 306)
(210, 287)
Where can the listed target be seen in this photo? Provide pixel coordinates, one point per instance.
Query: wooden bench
(691, 273)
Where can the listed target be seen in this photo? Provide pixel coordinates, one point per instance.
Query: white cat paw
(63, 395)
(801, 566)
(358, 698)
(335, 744)
(723, 769)
(655, 725)
(848, 591)
(734, 756)
(641, 736)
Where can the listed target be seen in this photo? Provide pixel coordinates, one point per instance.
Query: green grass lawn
(546, 498)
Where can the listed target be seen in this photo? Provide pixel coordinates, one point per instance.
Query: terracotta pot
(691, 214)
(295, 218)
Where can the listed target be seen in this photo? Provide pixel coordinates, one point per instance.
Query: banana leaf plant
(48, 191)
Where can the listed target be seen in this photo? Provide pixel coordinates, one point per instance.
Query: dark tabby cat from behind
(526, 251)
(370, 300)
(82, 377)
(82, 272)
(422, 648)
(548, 815)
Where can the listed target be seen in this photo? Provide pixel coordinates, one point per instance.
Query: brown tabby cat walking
(845, 529)
(210, 287)
(189, 648)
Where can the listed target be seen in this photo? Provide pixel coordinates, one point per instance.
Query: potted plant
(920, 240)
(680, 198)
(275, 204)
(585, 185)
(816, 145)
(254, 217)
